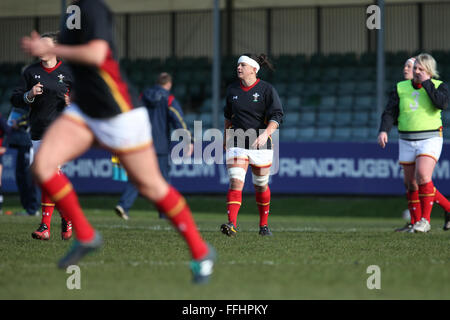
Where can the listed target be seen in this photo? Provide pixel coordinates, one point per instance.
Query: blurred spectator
(4, 130)
(19, 138)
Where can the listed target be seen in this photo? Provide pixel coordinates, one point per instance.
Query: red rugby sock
(177, 210)
(61, 192)
(234, 201)
(47, 208)
(426, 194)
(263, 202)
(441, 200)
(415, 210)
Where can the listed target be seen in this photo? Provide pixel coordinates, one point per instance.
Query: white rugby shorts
(410, 150)
(256, 158)
(126, 132)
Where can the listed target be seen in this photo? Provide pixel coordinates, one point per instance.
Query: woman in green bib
(415, 107)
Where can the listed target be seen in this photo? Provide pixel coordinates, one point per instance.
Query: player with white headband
(254, 107)
(408, 68)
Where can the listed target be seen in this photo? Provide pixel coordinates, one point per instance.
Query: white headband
(411, 59)
(249, 61)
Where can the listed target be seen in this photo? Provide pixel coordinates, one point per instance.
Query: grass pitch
(321, 249)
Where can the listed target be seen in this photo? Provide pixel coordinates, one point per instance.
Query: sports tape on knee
(237, 173)
(260, 180)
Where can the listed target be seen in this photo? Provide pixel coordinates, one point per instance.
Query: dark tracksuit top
(165, 114)
(46, 107)
(439, 97)
(252, 107)
(5, 129)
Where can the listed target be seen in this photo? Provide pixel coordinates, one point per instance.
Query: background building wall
(277, 31)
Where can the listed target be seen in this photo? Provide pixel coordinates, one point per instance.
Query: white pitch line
(299, 229)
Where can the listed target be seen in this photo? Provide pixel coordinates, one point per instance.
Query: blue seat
(293, 103)
(294, 89)
(307, 118)
(344, 102)
(346, 87)
(195, 90)
(331, 73)
(326, 118)
(281, 88)
(288, 134)
(365, 87)
(374, 117)
(306, 133)
(312, 89)
(361, 118)
(328, 88)
(364, 102)
(348, 74)
(328, 103)
(342, 134)
(314, 73)
(291, 119)
(343, 118)
(366, 73)
(324, 133)
(360, 133)
(179, 90)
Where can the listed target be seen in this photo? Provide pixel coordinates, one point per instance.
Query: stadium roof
(14, 8)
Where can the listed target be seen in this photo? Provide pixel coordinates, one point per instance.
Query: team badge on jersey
(61, 78)
(255, 97)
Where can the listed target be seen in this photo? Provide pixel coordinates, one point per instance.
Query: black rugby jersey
(100, 92)
(252, 107)
(46, 107)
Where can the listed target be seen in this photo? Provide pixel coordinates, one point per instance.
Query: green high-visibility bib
(417, 112)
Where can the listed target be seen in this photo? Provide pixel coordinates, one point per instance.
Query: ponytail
(262, 60)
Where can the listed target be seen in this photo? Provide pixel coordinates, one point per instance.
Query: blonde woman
(415, 106)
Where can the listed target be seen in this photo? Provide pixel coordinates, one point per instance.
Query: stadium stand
(328, 97)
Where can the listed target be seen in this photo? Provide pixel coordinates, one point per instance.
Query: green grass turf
(321, 249)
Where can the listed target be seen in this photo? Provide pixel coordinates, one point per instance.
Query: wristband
(25, 98)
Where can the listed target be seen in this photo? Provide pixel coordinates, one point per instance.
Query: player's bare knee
(236, 184)
(42, 170)
(423, 177)
(411, 185)
(154, 190)
(260, 188)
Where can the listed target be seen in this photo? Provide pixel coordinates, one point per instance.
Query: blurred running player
(106, 112)
(416, 105)
(251, 104)
(44, 91)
